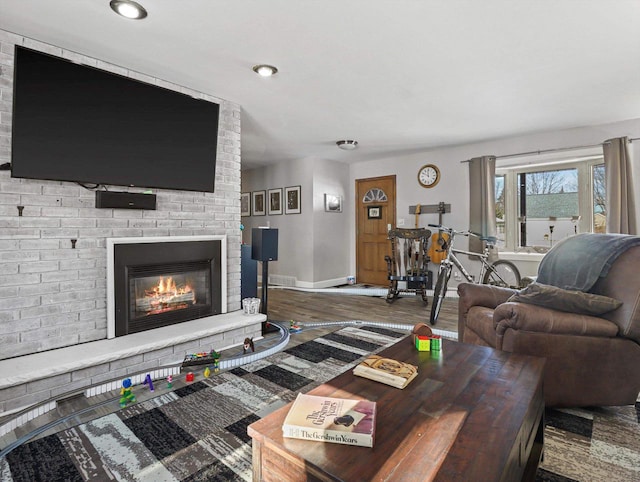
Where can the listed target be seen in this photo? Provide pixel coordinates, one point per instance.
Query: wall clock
(428, 175)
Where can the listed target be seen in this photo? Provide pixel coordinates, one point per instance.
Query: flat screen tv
(77, 123)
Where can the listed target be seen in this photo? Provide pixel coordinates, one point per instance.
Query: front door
(375, 214)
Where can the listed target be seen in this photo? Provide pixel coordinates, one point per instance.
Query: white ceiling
(399, 76)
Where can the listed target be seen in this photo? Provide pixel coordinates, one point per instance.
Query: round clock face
(429, 175)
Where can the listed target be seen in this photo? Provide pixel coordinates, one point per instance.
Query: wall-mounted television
(73, 122)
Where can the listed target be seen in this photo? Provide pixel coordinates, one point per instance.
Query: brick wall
(52, 295)
(25, 381)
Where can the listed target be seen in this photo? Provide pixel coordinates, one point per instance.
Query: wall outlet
(401, 222)
(456, 275)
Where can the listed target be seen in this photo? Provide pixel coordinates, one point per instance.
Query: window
(374, 195)
(541, 203)
(599, 205)
(500, 211)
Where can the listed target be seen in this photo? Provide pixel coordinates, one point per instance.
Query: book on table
(386, 370)
(328, 419)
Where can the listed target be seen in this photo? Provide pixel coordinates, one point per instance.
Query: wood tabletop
(472, 413)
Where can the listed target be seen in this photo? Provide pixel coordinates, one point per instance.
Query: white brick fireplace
(53, 260)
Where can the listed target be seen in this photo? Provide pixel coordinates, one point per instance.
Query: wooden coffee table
(472, 413)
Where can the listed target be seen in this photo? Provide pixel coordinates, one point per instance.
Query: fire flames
(167, 296)
(169, 287)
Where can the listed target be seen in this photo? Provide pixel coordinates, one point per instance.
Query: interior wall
(453, 187)
(313, 245)
(312, 240)
(331, 229)
(53, 292)
(295, 231)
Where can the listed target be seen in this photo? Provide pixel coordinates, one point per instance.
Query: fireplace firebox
(160, 283)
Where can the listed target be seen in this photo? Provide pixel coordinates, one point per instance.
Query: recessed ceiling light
(347, 145)
(128, 9)
(265, 70)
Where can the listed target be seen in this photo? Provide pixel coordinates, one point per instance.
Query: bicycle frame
(453, 259)
(487, 270)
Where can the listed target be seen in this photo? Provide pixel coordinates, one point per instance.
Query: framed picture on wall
(292, 200)
(258, 203)
(245, 204)
(275, 201)
(374, 212)
(333, 203)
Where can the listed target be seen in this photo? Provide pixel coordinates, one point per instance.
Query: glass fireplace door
(168, 293)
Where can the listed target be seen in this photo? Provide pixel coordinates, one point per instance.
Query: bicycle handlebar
(451, 230)
(490, 239)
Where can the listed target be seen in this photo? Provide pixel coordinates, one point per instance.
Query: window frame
(584, 167)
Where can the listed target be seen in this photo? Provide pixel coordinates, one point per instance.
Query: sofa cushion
(565, 300)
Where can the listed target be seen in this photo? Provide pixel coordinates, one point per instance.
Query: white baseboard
(330, 283)
(276, 280)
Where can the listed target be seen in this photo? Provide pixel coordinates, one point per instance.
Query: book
(386, 370)
(335, 420)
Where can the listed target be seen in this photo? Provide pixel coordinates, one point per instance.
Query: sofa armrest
(482, 295)
(471, 294)
(532, 318)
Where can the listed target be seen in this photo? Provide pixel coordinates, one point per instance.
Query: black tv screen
(76, 123)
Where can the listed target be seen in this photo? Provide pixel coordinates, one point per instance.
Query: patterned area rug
(199, 432)
(592, 445)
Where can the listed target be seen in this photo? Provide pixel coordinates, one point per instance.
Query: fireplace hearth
(156, 282)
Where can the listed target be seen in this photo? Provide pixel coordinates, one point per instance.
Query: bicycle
(499, 273)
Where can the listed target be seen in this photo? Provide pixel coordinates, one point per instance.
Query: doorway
(375, 215)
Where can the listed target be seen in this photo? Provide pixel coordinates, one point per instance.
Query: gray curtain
(620, 200)
(482, 197)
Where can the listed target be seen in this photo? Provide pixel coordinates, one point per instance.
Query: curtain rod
(557, 149)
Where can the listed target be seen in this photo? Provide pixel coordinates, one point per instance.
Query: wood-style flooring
(283, 305)
(300, 306)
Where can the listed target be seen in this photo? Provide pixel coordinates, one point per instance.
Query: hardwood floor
(283, 305)
(300, 306)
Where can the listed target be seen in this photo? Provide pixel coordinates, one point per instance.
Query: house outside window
(541, 203)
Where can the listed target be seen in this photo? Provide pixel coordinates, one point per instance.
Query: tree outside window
(599, 199)
(537, 207)
(500, 212)
(551, 202)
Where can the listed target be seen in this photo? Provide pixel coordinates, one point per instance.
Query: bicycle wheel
(440, 291)
(502, 273)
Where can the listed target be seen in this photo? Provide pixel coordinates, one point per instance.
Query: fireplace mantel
(48, 364)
